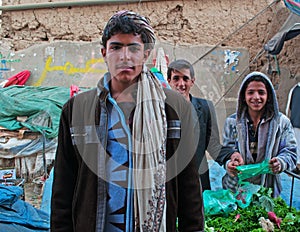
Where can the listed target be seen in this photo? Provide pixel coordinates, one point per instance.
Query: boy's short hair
(178, 65)
(128, 22)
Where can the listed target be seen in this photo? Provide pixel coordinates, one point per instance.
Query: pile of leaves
(262, 208)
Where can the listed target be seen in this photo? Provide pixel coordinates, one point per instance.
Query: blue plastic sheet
(9, 195)
(18, 215)
(46, 199)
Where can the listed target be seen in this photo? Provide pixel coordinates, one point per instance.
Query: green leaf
(267, 203)
(289, 219)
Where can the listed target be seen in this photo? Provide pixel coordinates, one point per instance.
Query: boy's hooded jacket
(275, 139)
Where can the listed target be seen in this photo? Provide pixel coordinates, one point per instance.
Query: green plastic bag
(251, 170)
(223, 201)
(217, 202)
(244, 194)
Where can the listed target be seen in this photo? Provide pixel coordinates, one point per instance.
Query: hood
(272, 106)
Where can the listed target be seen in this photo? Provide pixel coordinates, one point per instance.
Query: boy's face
(256, 96)
(182, 82)
(124, 56)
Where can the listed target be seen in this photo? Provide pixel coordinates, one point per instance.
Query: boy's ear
(103, 52)
(193, 81)
(146, 54)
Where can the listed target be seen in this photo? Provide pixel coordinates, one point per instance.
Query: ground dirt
(33, 194)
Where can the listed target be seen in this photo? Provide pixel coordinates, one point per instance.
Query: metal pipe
(65, 4)
(44, 156)
(294, 175)
(292, 192)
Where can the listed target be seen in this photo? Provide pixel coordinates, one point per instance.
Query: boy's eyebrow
(184, 76)
(121, 44)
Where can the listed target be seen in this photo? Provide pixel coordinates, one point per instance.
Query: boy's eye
(186, 78)
(134, 48)
(116, 47)
(262, 92)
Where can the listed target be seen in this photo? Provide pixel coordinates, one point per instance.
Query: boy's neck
(123, 93)
(255, 117)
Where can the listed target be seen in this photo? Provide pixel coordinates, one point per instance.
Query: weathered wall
(177, 22)
(236, 24)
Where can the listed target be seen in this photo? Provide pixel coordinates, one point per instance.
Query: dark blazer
(208, 140)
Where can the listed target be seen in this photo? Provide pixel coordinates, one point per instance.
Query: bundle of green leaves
(248, 219)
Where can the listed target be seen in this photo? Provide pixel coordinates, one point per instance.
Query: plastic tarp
(40, 105)
(14, 147)
(289, 30)
(18, 215)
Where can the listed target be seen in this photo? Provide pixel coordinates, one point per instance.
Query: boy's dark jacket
(209, 139)
(75, 188)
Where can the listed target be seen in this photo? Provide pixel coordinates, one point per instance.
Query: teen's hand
(275, 165)
(235, 160)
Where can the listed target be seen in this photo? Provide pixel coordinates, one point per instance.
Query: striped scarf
(149, 158)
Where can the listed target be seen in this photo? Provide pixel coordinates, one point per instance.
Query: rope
(235, 31)
(259, 54)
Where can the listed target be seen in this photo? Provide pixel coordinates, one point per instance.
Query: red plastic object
(18, 79)
(74, 90)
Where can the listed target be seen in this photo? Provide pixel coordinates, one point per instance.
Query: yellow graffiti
(69, 69)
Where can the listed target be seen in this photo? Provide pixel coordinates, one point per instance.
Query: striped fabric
(293, 5)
